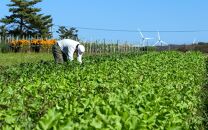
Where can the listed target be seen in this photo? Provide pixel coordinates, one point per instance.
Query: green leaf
(96, 123)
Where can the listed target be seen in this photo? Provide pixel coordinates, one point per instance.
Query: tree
(3, 32)
(41, 25)
(202, 43)
(25, 19)
(68, 33)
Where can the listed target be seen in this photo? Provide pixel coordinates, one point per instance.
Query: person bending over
(64, 49)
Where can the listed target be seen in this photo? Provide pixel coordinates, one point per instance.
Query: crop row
(158, 90)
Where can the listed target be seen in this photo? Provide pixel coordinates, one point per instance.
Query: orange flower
(33, 42)
(13, 42)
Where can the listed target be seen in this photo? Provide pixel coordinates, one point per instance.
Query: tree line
(26, 20)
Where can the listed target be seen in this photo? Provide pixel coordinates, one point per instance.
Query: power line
(133, 31)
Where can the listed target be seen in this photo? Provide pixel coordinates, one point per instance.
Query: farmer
(64, 49)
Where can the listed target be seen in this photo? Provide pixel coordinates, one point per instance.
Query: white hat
(81, 48)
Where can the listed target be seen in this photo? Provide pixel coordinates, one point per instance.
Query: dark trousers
(58, 55)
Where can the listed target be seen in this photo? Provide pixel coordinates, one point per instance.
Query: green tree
(41, 25)
(3, 32)
(68, 33)
(25, 19)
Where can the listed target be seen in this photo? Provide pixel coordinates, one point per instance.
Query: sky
(129, 16)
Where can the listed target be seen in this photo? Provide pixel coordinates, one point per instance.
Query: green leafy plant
(157, 90)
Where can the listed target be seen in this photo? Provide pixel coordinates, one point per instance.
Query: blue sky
(148, 15)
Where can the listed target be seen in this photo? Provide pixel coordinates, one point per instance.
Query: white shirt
(68, 46)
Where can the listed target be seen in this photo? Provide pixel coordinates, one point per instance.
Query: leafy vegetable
(158, 90)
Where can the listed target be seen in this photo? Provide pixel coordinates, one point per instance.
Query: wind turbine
(144, 39)
(195, 41)
(159, 40)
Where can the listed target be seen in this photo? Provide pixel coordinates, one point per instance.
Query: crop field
(155, 90)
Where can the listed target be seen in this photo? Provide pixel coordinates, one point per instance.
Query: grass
(7, 59)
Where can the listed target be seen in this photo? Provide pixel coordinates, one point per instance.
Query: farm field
(8, 59)
(157, 90)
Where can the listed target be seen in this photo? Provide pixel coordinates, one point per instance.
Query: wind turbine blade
(164, 42)
(148, 38)
(139, 30)
(156, 43)
(141, 34)
(158, 35)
